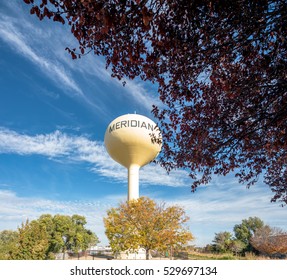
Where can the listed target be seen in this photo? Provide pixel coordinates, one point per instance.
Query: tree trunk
(147, 253)
(171, 253)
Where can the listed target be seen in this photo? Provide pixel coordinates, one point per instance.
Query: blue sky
(53, 115)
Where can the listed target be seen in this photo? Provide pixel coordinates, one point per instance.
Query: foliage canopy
(220, 67)
(41, 239)
(7, 243)
(246, 230)
(241, 241)
(222, 241)
(269, 240)
(144, 224)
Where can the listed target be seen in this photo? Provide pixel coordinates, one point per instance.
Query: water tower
(128, 140)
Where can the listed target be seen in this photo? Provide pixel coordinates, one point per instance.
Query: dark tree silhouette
(220, 67)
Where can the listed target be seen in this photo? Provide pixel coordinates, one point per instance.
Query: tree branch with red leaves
(221, 72)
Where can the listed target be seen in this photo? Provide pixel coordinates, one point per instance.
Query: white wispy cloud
(226, 203)
(139, 93)
(15, 210)
(44, 45)
(219, 210)
(217, 207)
(81, 149)
(12, 33)
(92, 66)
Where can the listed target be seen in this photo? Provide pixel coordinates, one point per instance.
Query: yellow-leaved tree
(143, 223)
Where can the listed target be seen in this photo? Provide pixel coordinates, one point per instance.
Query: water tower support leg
(133, 182)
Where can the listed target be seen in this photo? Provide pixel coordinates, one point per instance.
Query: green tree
(48, 235)
(63, 233)
(145, 224)
(236, 246)
(32, 243)
(209, 248)
(220, 68)
(246, 230)
(80, 238)
(223, 241)
(8, 241)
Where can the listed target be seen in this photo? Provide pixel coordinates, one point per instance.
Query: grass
(227, 256)
(206, 256)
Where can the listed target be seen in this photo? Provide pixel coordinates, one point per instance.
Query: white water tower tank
(128, 140)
